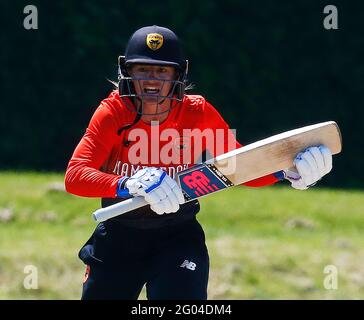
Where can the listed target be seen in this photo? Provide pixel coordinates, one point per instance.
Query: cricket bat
(241, 165)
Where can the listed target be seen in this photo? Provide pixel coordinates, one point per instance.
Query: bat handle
(119, 208)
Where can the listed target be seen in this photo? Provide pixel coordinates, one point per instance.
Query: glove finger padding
(164, 198)
(314, 170)
(158, 208)
(159, 204)
(176, 190)
(153, 197)
(303, 169)
(172, 204)
(313, 164)
(318, 156)
(156, 194)
(174, 194)
(178, 193)
(327, 155)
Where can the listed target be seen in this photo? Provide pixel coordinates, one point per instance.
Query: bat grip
(119, 208)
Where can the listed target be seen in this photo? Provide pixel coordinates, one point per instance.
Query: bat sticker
(202, 180)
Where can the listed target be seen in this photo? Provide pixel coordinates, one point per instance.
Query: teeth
(151, 90)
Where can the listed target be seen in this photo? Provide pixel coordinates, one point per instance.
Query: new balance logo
(188, 264)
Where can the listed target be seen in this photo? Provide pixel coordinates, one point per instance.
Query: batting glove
(157, 188)
(310, 166)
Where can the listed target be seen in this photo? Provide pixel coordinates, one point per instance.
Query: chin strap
(128, 126)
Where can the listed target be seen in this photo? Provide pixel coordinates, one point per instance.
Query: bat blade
(250, 162)
(276, 152)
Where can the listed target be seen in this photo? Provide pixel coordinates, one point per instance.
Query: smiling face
(153, 85)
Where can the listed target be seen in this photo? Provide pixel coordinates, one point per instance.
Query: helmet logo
(154, 41)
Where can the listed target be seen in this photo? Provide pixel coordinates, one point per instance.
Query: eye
(162, 70)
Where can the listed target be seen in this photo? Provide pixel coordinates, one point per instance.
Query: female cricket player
(137, 139)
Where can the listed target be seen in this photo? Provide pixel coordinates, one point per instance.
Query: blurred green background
(267, 66)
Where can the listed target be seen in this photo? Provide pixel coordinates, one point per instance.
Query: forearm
(85, 181)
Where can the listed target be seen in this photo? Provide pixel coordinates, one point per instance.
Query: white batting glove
(310, 166)
(157, 188)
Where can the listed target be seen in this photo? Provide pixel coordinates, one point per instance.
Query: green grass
(264, 243)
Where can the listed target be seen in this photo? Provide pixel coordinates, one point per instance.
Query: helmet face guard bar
(136, 100)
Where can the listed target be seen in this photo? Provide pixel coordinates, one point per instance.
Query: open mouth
(151, 90)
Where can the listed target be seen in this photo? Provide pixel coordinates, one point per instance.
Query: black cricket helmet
(152, 45)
